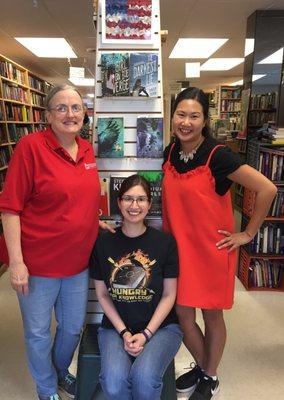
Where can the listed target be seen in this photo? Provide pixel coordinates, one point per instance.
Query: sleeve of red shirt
(18, 184)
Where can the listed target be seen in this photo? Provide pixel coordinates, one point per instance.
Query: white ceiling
(72, 19)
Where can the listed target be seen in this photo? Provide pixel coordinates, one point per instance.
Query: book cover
(114, 187)
(143, 74)
(127, 21)
(155, 179)
(110, 137)
(115, 74)
(104, 201)
(149, 137)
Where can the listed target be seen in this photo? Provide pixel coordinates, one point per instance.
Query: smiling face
(134, 205)
(188, 121)
(69, 122)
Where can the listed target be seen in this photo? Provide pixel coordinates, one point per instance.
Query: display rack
(129, 108)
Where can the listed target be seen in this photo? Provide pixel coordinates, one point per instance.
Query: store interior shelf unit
(261, 265)
(119, 107)
(21, 107)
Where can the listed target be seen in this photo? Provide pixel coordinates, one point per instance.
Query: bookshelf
(229, 105)
(261, 263)
(21, 107)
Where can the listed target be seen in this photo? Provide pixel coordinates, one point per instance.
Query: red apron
(193, 212)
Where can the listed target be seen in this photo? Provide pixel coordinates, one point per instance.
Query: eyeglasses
(63, 108)
(140, 200)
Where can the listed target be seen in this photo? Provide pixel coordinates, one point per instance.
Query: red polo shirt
(57, 200)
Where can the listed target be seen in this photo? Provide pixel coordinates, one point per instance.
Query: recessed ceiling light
(83, 81)
(48, 47)
(196, 48)
(237, 83)
(192, 70)
(220, 64)
(274, 58)
(249, 46)
(257, 76)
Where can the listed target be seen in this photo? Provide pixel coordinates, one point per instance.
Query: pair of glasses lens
(63, 108)
(140, 200)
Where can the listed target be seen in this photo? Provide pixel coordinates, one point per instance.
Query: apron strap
(170, 152)
(212, 152)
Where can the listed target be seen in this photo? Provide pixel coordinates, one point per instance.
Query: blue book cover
(110, 137)
(115, 74)
(149, 137)
(144, 74)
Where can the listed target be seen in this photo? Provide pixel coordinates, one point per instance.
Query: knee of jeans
(146, 383)
(113, 386)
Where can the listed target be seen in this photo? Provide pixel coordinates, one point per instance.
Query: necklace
(189, 156)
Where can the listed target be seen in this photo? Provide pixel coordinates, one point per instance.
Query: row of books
(37, 99)
(149, 137)
(14, 92)
(38, 115)
(5, 156)
(3, 135)
(260, 117)
(18, 131)
(17, 113)
(110, 187)
(9, 71)
(277, 207)
(265, 273)
(271, 163)
(231, 93)
(268, 240)
(38, 84)
(263, 101)
(227, 105)
(129, 74)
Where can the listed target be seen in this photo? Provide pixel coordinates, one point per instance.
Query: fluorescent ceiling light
(237, 83)
(48, 47)
(249, 46)
(220, 64)
(196, 48)
(257, 76)
(91, 94)
(83, 81)
(192, 70)
(274, 58)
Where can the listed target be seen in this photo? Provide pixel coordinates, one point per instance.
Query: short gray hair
(56, 89)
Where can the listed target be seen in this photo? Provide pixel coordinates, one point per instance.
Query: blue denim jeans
(49, 360)
(127, 378)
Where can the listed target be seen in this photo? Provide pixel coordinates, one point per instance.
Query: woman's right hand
(19, 277)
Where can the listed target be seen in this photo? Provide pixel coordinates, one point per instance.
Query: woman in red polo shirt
(50, 208)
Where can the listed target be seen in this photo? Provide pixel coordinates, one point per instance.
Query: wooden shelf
(17, 82)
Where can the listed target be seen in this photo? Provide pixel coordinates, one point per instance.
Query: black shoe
(188, 381)
(206, 388)
(68, 385)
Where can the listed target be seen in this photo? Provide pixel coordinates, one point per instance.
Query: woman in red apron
(197, 210)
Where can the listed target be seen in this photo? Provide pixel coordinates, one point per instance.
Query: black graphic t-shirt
(133, 270)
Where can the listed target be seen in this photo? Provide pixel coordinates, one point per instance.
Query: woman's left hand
(233, 240)
(105, 226)
(135, 344)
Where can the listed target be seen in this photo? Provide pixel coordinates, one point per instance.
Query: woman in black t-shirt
(135, 272)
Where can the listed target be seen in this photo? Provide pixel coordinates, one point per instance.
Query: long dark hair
(194, 93)
(135, 180)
